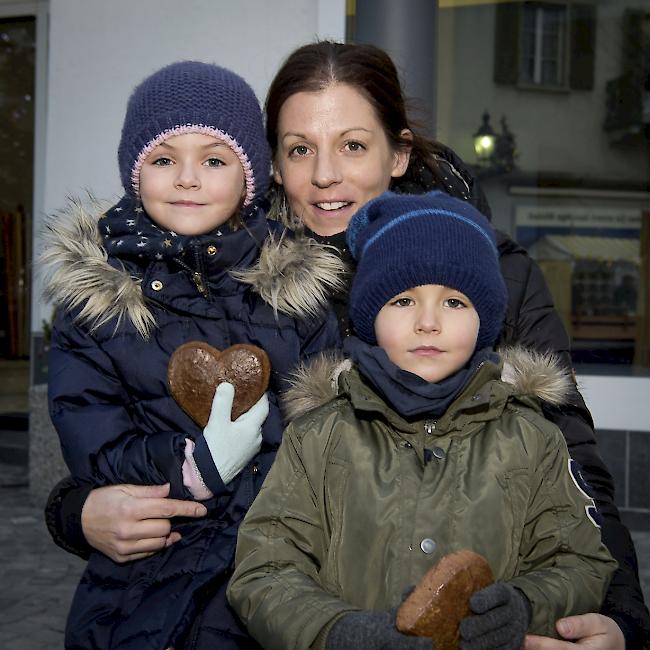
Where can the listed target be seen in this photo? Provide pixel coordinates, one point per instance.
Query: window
(17, 73)
(543, 44)
(569, 77)
(548, 45)
(592, 259)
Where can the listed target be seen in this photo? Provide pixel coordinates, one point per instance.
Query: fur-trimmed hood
(529, 372)
(79, 276)
(294, 275)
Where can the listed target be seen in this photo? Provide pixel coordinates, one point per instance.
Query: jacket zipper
(196, 276)
(429, 426)
(198, 281)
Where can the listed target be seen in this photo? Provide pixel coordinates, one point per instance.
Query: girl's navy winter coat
(119, 319)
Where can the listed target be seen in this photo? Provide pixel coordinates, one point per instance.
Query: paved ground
(37, 579)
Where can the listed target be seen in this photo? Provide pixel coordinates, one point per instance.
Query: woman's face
(333, 156)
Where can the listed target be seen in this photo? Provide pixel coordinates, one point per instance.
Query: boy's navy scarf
(406, 393)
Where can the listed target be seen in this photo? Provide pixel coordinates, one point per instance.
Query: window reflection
(572, 78)
(543, 44)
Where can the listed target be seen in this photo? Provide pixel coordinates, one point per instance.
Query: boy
(421, 451)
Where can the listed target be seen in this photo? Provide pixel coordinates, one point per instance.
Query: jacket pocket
(516, 487)
(336, 480)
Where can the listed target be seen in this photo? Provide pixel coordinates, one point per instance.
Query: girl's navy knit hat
(195, 97)
(402, 241)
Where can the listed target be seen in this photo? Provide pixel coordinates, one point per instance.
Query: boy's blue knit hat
(402, 241)
(195, 97)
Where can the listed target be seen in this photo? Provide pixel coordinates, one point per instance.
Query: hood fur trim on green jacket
(293, 275)
(529, 372)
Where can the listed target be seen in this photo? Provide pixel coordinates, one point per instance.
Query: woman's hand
(129, 522)
(593, 631)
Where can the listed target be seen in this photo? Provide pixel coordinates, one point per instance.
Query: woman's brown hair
(367, 68)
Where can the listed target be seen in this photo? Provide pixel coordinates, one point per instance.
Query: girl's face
(333, 156)
(191, 184)
(430, 330)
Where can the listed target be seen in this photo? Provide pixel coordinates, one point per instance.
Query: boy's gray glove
(501, 618)
(372, 630)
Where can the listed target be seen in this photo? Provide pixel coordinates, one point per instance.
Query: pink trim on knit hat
(204, 130)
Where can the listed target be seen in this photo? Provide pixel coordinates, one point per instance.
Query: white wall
(100, 49)
(617, 403)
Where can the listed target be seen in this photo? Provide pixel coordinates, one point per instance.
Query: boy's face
(428, 330)
(191, 184)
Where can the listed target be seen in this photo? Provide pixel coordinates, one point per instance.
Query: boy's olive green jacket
(360, 503)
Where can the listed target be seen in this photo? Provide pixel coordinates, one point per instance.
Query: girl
(153, 272)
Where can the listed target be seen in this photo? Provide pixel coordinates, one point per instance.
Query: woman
(339, 134)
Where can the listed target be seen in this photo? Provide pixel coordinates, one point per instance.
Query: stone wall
(46, 465)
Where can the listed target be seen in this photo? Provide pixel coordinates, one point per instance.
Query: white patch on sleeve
(590, 508)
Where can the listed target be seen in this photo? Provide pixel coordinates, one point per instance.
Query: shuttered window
(545, 44)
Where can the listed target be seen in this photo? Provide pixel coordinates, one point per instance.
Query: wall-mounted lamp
(484, 140)
(495, 152)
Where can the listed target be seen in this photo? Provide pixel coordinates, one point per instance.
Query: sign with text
(577, 217)
(534, 222)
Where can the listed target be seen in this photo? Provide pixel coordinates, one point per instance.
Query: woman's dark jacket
(532, 320)
(119, 318)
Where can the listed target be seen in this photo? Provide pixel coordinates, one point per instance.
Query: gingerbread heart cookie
(195, 370)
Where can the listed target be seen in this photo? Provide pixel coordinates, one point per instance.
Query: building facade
(560, 89)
